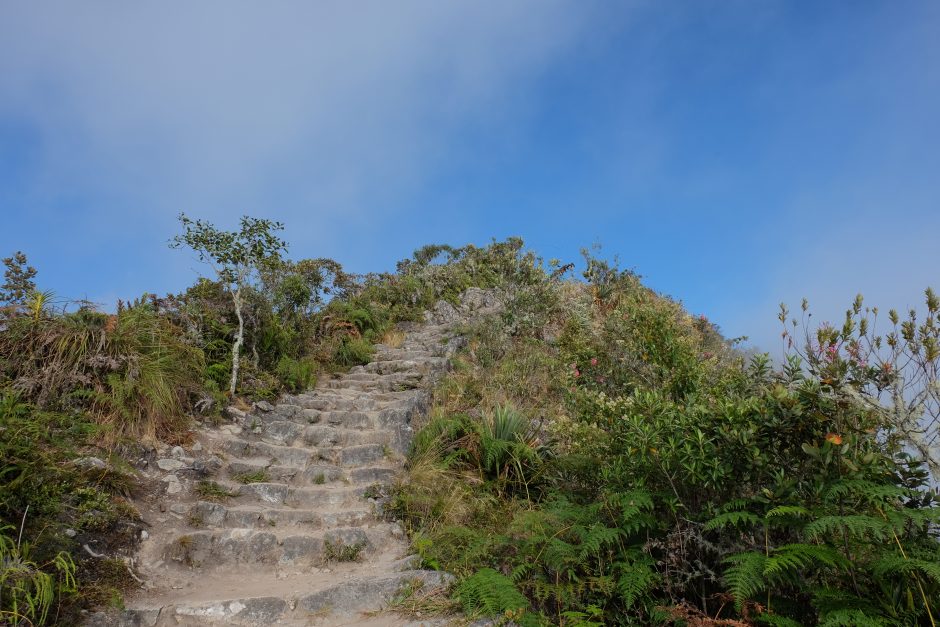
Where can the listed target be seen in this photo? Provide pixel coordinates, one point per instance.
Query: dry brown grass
(393, 338)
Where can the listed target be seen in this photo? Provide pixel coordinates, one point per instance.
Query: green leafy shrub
(680, 483)
(296, 375)
(353, 351)
(29, 591)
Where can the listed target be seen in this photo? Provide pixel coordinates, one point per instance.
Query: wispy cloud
(220, 104)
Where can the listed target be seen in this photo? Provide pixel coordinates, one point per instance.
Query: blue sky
(735, 153)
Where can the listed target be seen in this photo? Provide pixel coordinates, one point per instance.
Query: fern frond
(796, 557)
(897, 565)
(867, 491)
(732, 519)
(788, 510)
(745, 577)
(851, 618)
(857, 525)
(636, 581)
(776, 620)
(490, 593)
(597, 538)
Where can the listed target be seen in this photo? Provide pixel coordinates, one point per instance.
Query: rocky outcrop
(474, 303)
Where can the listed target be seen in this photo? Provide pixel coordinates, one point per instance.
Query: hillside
(478, 434)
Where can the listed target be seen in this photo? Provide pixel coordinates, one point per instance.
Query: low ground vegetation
(616, 461)
(596, 456)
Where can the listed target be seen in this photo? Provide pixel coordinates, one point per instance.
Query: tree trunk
(239, 339)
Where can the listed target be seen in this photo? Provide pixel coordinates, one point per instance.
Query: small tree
(236, 257)
(18, 280)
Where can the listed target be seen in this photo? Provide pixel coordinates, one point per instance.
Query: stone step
(393, 366)
(237, 446)
(369, 592)
(351, 419)
(296, 496)
(318, 474)
(385, 353)
(390, 383)
(231, 547)
(219, 515)
(350, 598)
(327, 432)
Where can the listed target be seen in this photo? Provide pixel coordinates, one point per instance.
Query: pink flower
(593, 361)
(577, 373)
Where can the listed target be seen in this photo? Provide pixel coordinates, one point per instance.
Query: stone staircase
(275, 518)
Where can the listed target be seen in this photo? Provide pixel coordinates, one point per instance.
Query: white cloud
(213, 105)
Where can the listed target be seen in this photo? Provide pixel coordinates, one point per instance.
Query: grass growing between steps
(417, 600)
(258, 476)
(212, 491)
(341, 552)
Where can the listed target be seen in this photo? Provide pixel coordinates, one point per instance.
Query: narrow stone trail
(293, 534)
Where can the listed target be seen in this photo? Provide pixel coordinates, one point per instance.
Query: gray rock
(211, 514)
(234, 414)
(209, 465)
(177, 452)
(443, 313)
(246, 612)
(264, 406)
(91, 462)
(281, 431)
(173, 485)
(169, 465)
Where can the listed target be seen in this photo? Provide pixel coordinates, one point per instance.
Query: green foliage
(296, 375)
(28, 591)
(133, 371)
(42, 491)
(895, 374)
(353, 351)
(212, 491)
(666, 472)
(258, 476)
(18, 281)
(236, 257)
(489, 593)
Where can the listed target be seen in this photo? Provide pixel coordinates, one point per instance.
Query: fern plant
(881, 551)
(29, 590)
(489, 593)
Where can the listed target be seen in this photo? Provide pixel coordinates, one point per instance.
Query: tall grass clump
(132, 371)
